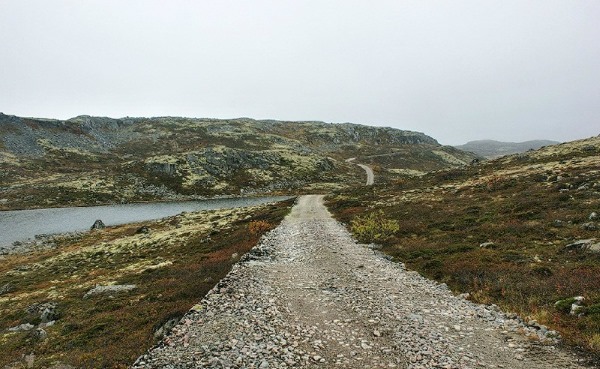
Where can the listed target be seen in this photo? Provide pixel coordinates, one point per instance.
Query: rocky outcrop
(97, 160)
(164, 168)
(32, 137)
(143, 230)
(6, 288)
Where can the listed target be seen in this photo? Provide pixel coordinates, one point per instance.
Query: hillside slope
(92, 160)
(521, 231)
(493, 149)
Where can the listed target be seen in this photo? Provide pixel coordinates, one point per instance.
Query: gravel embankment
(310, 297)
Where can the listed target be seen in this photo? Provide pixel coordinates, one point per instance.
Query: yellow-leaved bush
(373, 227)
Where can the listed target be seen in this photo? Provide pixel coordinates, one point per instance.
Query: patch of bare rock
(309, 296)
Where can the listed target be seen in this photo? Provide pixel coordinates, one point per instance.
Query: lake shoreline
(36, 229)
(180, 198)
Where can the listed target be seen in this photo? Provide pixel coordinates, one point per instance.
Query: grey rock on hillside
(97, 160)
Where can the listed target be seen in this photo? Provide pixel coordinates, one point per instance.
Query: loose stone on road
(309, 296)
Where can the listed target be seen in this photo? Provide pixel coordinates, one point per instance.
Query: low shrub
(258, 227)
(594, 342)
(592, 310)
(374, 227)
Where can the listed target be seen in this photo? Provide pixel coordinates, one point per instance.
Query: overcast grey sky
(456, 70)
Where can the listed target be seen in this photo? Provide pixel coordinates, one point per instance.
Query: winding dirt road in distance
(370, 174)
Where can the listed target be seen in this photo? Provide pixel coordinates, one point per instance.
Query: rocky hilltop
(93, 160)
(493, 149)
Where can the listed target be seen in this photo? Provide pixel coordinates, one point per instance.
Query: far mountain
(492, 149)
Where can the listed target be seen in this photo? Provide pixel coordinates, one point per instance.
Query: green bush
(592, 310)
(374, 227)
(564, 306)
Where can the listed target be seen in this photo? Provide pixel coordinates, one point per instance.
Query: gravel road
(367, 169)
(370, 174)
(309, 296)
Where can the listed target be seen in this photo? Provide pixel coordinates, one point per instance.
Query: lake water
(22, 225)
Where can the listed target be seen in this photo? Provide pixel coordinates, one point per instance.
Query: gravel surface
(309, 296)
(367, 169)
(370, 174)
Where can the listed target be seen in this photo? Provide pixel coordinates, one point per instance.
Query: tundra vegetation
(100, 299)
(504, 231)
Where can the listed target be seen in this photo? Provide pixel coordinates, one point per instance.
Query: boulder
(49, 314)
(165, 168)
(576, 305)
(46, 311)
(98, 290)
(583, 245)
(593, 216)
(143, 230)
(164, 329)
(6, 288)
(488, 245)
(22, 327)
(571, 305)
(40, 334)
(98, 224)
(590, 226)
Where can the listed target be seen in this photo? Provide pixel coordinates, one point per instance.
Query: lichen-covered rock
(98, 290)
(590, 226)
(22, 327)
(6, 288)
(143, 230)
(582, 245)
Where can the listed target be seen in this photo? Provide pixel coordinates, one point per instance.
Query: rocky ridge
(96, 160)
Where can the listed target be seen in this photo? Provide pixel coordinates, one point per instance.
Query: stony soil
(309, 296)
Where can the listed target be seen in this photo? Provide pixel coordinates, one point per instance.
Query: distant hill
(96, 160)
(492, 149)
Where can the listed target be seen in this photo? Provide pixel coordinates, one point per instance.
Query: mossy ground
(173, 267)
